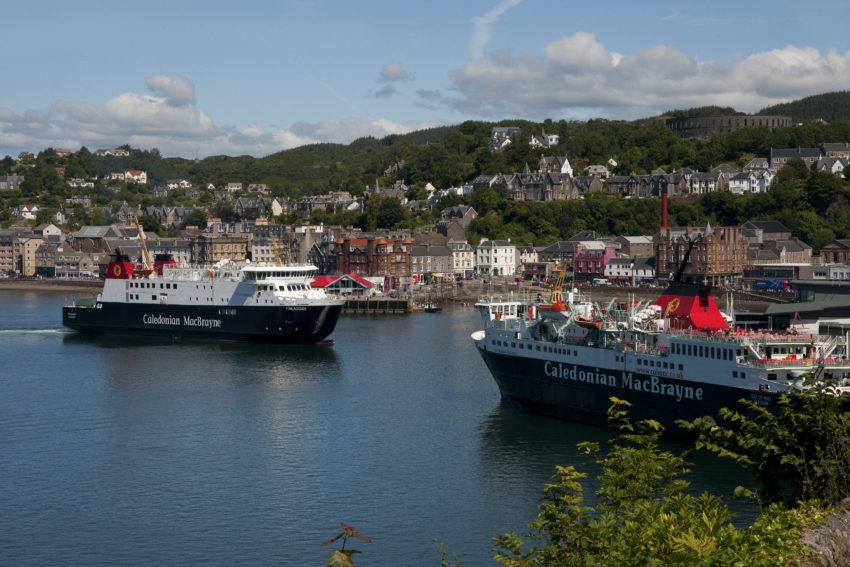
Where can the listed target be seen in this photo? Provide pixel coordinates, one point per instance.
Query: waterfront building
(212, 248)
(590, 258)
(718, 256)
(629, 270)
(463, 257)
(496, 257)
(636, 246)
(388, 256)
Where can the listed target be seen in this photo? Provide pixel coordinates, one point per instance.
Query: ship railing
(782, 362)
(741, 335)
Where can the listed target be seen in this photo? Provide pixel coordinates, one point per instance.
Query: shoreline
(52, 286)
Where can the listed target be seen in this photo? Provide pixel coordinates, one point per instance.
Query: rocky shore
(53, 286)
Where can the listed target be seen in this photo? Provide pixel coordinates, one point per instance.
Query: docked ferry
(262, 303)
(675, 358)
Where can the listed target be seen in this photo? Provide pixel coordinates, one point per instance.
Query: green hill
(831, 107)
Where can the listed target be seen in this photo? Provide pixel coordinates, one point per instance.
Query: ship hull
(582, 393)
(273, 324)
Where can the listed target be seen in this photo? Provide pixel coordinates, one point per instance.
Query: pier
(375, 306)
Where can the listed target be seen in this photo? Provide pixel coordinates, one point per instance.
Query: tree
(383, 212)
(644, 514)
(150, 223)
(196, 217)
(798, 451)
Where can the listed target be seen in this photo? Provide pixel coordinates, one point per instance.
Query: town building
(836, 252)
(500, 136)
(464, 214)
(434, 260)
(761, 231)
(136, 176)
(780, 156)
(345, 284)
(705, 126)
(180, 249)
(833, 165)
(114, 152)
(751, 182)
(837, 149)
(212, 248)
(11, 182)
(718, 254)
(369, 256)
(629, 270)
(496, 258)
(600, 171)
(463, 257)
(25, 249)
(544, 140)
(551, 182)
(636, 246)
(590, 258)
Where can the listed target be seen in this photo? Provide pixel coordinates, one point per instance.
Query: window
(734, 374)
(681, 367)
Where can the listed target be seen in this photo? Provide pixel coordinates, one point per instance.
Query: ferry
(675, 358)
(227, 301)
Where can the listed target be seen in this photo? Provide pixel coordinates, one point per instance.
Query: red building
(591, 257)
(386, 256)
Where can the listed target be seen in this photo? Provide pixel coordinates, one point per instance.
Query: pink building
(590, 258)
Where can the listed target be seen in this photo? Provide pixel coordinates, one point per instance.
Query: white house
(233, 187)
(743, 183)
(463, 257)
(628, 270)
(136, 176)
(178, 183)
(496, 257)
(116, 176)
(833, 165)
(544, 140)
(26, 212)
(751, 182)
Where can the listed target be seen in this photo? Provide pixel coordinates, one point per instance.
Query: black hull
(280, 324)
(582, 394)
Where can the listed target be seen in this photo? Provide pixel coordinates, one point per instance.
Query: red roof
(325, 281)
(361, 280)
(135, 171)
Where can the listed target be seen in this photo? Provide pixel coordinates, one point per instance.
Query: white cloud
(482, 27)
(170, 119)
(394, 71)
(176, 89)
(577, 74)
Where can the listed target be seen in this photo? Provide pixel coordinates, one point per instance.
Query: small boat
(431, 308)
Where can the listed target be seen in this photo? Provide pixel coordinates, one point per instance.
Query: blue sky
(197, 78)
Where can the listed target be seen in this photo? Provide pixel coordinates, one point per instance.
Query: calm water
(120, 452)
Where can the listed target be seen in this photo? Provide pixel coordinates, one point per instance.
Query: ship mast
(146, 255)
(557, 295)
(278, 252)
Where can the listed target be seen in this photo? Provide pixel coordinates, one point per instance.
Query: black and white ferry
(262, 303)
(675, 358)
